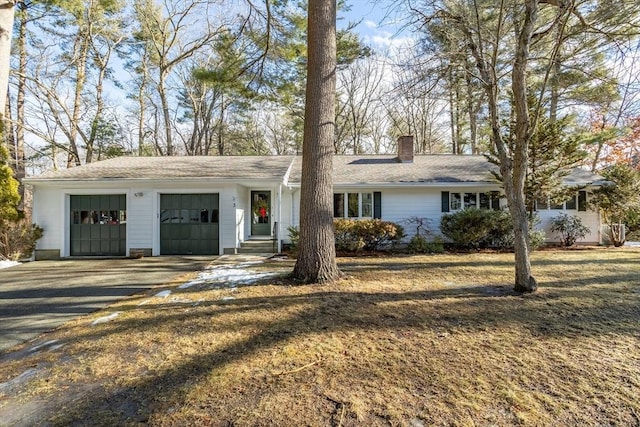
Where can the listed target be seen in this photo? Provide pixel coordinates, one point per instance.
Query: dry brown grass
(423, 340)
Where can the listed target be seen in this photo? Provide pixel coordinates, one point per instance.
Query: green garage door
(98, 225)
(189, 224)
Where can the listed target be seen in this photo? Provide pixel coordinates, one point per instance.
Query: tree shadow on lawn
(458, 309)
(434, 262)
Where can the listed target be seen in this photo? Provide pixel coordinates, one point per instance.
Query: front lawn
(416, 340)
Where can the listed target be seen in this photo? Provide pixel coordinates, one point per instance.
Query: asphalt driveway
(39, 296)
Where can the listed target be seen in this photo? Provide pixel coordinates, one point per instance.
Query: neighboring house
(211, 205)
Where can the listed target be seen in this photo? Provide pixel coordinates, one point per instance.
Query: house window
(338, 205)
(576, 202)
(367, 205)
(114, 217)
(470, 200)
(358, 205)
(490, 200)
(557, 206)
(457, 201)
(542, 204)
(353, 206)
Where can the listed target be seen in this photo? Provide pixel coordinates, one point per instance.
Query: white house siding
(243, 214)
(140, 218)
(286, 211)
(400, 204)
(49, 213)
(589, 218)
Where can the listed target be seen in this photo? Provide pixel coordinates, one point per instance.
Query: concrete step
(257, 247)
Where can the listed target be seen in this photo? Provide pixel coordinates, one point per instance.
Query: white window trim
(549, 207)
(477, 204)
(345, 213)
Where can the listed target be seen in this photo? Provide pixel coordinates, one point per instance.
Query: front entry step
(258, 247)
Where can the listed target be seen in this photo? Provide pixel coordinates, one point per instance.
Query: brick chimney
(405, 149)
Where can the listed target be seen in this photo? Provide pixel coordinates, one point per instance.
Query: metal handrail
(275, 236)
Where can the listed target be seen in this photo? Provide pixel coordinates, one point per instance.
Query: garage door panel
(187, 229)
(95, 225)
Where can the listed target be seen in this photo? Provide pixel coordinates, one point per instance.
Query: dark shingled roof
(348, 170)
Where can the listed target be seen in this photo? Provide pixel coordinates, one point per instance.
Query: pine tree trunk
(316, 260)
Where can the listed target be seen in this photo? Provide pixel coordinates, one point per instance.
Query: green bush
(366, 234)
(479, 228)
(420, 245)
(570, 228)
(294, 235)
(18, 239)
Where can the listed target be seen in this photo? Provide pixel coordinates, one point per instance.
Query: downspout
(279, 228)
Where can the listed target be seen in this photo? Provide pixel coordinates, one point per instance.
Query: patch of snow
(248, 263)
(190, 284)
(179, 300)
(228, 298)
(228, 276)
(5, 263)
(56, 347)
(163, 294)
(145, 302)
(105, 319)
(632, 244)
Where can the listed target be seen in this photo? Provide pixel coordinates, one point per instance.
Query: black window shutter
(377, 204)
(445, 201)
(582, 200)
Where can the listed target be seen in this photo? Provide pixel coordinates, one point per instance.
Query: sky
(378, 24)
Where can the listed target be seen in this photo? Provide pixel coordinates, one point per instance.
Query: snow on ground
(7, 263)
(105, 319)
(228, 276)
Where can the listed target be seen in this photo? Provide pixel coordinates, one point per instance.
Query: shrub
(18, 239)
(344, 236)
(366, 234)
(420, 245)
(294, 235)
(475, 228)
(478, 228)
(570, 228)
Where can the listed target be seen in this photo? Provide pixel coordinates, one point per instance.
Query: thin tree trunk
(142, 113)
(99, 109)
(20, 95)
(473, 122)
(525, 282)
(452, 113)
(316, 261)
(81, 52)
(6, 27)
(165, 113)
